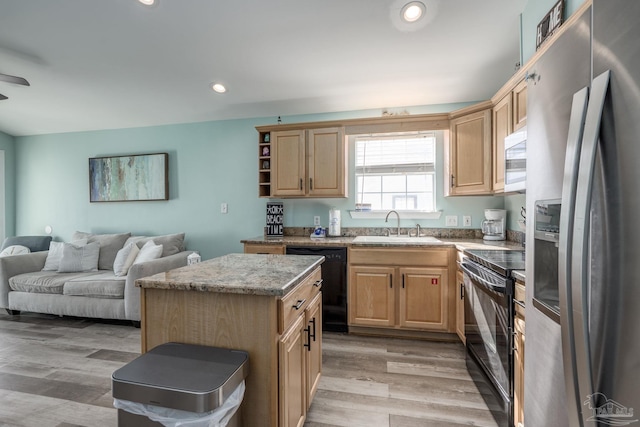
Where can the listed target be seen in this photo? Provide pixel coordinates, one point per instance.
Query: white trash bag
(168, 417)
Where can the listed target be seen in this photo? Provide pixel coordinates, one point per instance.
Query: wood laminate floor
(57, 372)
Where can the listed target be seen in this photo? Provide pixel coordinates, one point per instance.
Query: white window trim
(403, 214)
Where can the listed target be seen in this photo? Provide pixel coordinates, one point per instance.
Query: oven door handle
(494, 287)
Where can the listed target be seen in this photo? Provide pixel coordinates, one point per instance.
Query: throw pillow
(124, 259)
(171, 243)
(110, 244)
(77, 259)
(14, 250)
(149, 251)
(52, 263)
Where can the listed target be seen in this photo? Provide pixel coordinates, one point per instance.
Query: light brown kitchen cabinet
(293, 374)
(520, 105)
(460, 306)
(405, 289)
(250, 248)
(502, 126)
(469, 154)
(313, 318)
(308, 163)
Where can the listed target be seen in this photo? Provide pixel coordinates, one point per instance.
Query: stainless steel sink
(397, 240)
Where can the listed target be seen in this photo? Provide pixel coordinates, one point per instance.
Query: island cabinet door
(423, 298)
(293, 375)
(313, 315)
(371, 296)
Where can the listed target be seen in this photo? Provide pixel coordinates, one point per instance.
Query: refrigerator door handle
(574, 140)
(580, 266)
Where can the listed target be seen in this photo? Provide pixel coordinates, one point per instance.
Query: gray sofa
(24, 286)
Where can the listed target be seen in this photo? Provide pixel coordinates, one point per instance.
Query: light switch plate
(224, 208)
(466, 220)
(316, 221)
(451, 220)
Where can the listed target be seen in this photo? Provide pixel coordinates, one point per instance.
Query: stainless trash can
(185, 377)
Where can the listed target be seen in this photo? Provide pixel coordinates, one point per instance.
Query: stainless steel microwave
(515, 161)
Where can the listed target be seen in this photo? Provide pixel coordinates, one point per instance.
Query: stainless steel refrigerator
(582, 361)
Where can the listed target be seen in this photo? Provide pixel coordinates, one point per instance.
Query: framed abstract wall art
(139, 177)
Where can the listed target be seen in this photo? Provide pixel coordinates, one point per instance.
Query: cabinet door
(313, 317)
(423, 298)
(502, 126)
(371, 296)
(292, 375)
(288, 163)
(470, 154)
(460, 306)
(518, 373)
(327, 164)
(520, 105)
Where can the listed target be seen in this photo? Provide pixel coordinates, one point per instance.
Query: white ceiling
(106, 64)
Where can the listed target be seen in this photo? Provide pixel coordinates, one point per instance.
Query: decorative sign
(275, 220)
(550, 23)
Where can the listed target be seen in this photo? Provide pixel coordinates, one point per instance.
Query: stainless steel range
(489, 312)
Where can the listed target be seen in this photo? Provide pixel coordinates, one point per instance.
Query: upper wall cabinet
(303, 163)
(468, 157)
(509, 115)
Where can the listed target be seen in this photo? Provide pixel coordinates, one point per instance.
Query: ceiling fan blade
(2, 97)
(14, 79)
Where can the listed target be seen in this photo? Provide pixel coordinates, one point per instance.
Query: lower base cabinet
(300, 353)
(460, 306)
(518, 372)
(413, 296)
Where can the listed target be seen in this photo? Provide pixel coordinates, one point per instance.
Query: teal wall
(7, 144)
(533, 13)
(210, 163)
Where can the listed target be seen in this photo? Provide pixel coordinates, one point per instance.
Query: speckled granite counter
(519, 275)
(460, 244)
(272, 275)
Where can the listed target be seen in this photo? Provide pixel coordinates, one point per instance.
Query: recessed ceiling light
(412, 11)
(218, 88)
(147, 2)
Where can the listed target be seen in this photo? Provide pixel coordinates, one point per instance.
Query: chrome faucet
(387, 219)
(417, 230)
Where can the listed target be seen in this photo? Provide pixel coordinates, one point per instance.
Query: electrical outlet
(224, 208)
(466, 220)
(451, 220)
(316, 221)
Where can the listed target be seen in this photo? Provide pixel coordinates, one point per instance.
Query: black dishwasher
(334, 284)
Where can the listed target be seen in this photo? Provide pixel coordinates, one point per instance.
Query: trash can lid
(176, 370)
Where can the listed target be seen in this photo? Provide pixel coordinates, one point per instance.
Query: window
(396, 171)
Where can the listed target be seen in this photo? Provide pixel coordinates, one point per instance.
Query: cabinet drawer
(263, 249)
(426, 257)
(295, 302)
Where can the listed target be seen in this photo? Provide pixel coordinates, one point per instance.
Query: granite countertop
(252, 274)
(519, 275)
(460, 244)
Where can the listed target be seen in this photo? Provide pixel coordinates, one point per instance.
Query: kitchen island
(267, 305)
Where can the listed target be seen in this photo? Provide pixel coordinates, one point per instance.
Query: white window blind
(396, 171)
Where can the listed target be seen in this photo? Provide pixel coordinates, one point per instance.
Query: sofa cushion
(125, 258)
(102, 285)
(44, 282)
(79, 258)
(34, 243)
(110, 244)
(171, 243)
(52, 263)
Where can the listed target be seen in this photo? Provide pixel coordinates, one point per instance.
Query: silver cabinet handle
(299, 304)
